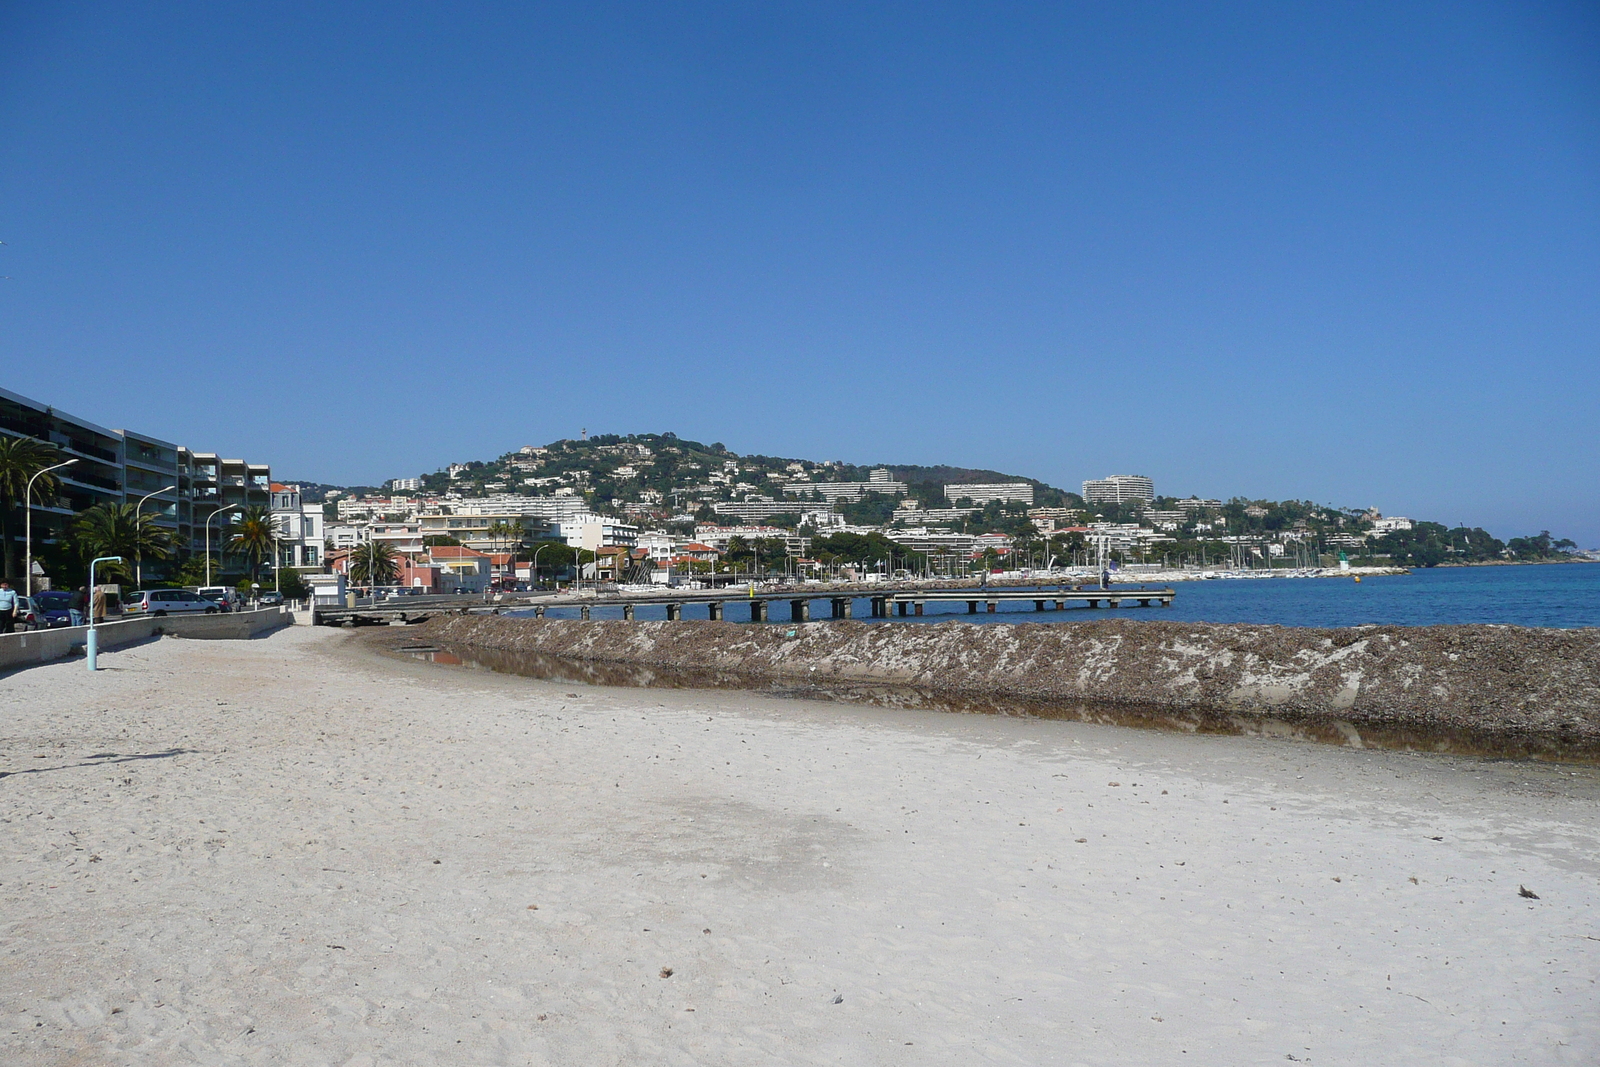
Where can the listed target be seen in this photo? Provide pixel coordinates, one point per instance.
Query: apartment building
(982, 493)
(934, 542)
(754, 510)
(182, 489)
(1119, 489)
(594, 532)
(878, 481)
(472, 530)
(717, 537)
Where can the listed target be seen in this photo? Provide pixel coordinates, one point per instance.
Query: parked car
(29, 615)
(168, 602)
(53, 605)
(270, 599)
(224, 598)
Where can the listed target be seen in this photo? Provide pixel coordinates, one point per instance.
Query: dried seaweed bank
(1531, 686)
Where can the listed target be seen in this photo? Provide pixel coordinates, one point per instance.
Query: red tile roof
(456, 552)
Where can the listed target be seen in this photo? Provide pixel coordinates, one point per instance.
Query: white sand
(338, 868)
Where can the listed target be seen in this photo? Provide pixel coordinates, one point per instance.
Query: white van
(168, 602)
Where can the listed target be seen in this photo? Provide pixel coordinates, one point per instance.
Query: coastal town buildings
(653, 509)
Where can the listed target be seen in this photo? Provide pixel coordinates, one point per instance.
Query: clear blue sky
(1345, 252)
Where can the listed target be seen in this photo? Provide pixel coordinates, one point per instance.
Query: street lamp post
(536, 552)
(209, 520)
(138, 555)
(27, 507)
(93, 640)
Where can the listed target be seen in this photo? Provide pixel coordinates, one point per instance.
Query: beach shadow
(102, 759)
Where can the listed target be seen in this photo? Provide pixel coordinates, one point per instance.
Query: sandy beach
(294, 851)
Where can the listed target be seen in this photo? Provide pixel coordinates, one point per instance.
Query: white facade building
(718, 537)
(1119, 489)
(934, 542)
(761, 507)
(983, 492)
(344, 535)
(661, 546)
(594, 532)
(299, 528)
(403, 537)
(878, 481)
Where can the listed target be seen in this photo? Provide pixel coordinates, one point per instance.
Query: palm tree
(120, 530)
(502, 532)
(254, 537)
(504, 535)
(374, 563)
(20, 459)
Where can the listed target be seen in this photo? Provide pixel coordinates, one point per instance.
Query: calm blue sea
(1563, 596)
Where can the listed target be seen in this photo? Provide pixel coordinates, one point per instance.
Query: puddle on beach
(1443, 741)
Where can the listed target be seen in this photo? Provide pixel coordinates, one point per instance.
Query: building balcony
(90, 481)
(79, 447)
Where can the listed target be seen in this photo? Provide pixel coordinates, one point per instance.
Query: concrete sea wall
(42, 646)
(1536, 688)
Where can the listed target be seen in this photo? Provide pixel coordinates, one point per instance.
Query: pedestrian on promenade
(8, 607)
(97, 601)
(77, 605)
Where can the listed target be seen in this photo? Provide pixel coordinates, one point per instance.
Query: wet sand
(293, 850)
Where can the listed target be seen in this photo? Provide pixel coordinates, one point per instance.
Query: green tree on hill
(1540, 547)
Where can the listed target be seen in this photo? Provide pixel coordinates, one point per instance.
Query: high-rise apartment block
(184, 488)
(981, 493)
(1119, 489)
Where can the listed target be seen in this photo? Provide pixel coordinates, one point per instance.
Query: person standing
(78, 605)
(8, 607)
(97, 601)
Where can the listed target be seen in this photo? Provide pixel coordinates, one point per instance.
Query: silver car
(168, 602)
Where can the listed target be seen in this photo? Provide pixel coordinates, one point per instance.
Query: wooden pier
(716, 604)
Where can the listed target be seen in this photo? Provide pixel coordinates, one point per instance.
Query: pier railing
(884, 604)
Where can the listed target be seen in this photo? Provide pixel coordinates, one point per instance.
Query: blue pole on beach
(93, 643)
